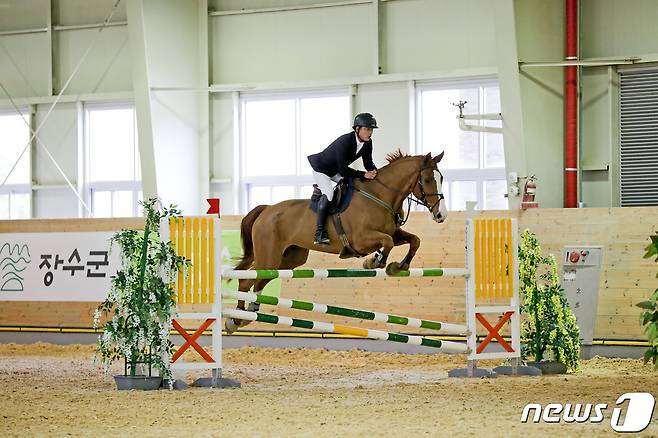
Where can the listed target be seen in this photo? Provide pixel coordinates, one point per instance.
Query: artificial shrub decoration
(549, 328)
(649, 318)
(141, 300)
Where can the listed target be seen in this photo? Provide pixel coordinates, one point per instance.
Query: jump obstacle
(491, 275)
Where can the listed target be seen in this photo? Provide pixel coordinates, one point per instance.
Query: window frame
(135, 186)
(478, 174)
(21, 188)
(298, 180)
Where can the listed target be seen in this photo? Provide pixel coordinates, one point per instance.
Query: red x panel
(493, 332)
(191, 340)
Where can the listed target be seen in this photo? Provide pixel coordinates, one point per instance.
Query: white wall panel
(285, 46)
(172, 52)
(23, 14)
(59, 134)
(176, 146)
(221, 149)
(222, 135)
(389, 103)
(54, 203)
(619, 28)
(231, 5)
(596, 117)
(428, 35)
(75, 12)
(225, 193)
(174, 56)
(540, 30)
(596, 189)
(24, 67)
(107, 67)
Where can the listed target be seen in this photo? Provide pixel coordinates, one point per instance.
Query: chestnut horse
(280, 236)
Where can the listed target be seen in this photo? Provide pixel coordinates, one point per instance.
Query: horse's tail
(247, 224)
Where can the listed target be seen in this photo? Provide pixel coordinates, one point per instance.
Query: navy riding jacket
(338, 156)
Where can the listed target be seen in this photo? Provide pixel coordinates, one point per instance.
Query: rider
(332, 164)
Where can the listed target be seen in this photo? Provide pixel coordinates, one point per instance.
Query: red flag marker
(214, 206)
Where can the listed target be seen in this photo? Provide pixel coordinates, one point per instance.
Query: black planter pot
(145, 383)
(549, 367)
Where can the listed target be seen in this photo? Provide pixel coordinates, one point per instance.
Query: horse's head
(428, 188)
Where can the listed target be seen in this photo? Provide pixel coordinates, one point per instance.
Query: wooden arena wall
(626, 278)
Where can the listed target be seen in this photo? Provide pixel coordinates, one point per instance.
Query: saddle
(342, 196)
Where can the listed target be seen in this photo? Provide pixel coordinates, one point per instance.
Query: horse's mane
(395, 155)
(395, 159)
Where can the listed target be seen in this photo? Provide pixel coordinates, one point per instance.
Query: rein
(399, 220)
(376, 200)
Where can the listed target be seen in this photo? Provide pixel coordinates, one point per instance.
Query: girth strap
(348, 251)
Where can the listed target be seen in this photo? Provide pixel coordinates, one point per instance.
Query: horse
(280, 236)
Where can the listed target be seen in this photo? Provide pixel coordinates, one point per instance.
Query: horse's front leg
(400, 237)
(383, 241)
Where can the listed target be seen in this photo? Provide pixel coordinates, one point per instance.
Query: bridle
(423, 201)
(410, 197)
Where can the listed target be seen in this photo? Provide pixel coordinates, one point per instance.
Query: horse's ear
(428, 157)
(438, 157)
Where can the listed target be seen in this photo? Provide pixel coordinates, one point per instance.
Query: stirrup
(322, 241)
(321, 238)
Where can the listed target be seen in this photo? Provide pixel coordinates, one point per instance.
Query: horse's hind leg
(270, 261)
(293, 257)
(233, 324)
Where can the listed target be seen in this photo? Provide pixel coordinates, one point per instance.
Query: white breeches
(326, 184)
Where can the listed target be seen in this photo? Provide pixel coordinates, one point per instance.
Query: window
(15, 194)
(112, 160)
(474, 164)
(278, 133)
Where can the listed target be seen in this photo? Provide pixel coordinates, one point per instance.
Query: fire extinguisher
(529, 191)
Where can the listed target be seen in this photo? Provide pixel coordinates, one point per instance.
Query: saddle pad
(343, 201)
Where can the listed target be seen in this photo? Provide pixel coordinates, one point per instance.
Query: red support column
(571, 108)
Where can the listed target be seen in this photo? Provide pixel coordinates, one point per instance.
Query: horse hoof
(393, 268)
(230, 326)
(253, 307)
(369, 263)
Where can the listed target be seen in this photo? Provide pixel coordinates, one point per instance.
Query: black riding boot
(321, 235)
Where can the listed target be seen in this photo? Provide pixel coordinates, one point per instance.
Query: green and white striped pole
(269, 274)
(446, 328)
(445, 346)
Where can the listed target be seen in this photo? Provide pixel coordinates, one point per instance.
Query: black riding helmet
(365, 120)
